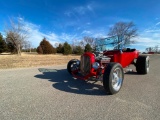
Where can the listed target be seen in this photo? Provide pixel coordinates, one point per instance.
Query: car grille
(85, 65)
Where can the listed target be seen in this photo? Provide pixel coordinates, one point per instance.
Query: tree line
(7, 46)
(16, 39)
(46, 48)
(155, 49)
(64, 48)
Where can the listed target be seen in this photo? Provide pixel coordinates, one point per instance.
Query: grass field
(33, 60)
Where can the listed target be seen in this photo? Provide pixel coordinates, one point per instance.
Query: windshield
(103, 44)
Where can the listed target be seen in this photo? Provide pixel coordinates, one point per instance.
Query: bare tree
(89, 40)
(124, 31)
(147, 49)
(27, 45)
(156, 48)
(86, 40)
(100, 44)
(153, 49)
(82, 43)
(16, 33)
(56, 45)
(150, 49)
(74, 44)
(78, 43)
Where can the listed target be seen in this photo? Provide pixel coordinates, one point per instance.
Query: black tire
(72, 64)
(142, 64)
(109, 78)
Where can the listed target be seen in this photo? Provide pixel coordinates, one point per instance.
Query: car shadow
(63, 81)
(131, 73)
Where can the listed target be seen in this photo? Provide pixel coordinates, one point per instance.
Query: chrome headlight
(95, 65)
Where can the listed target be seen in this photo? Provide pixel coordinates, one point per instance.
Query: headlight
(95, 65)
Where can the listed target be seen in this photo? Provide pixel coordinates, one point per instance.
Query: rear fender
(124, 58)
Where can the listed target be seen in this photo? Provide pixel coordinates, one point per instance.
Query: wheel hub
(117, 80)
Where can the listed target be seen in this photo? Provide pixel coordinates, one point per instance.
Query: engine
(102, 59)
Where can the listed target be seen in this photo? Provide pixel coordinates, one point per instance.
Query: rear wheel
(113, 78)
(142, 64)
(72, 65)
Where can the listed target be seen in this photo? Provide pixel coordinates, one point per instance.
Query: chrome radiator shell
(85, 65)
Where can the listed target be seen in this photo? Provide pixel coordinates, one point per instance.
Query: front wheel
(113, 78)
(73, 65)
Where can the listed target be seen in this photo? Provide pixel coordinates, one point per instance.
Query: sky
(70, 20)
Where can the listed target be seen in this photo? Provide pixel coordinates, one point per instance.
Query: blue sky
(71, 20)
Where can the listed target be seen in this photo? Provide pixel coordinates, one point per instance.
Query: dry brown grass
(33, 60)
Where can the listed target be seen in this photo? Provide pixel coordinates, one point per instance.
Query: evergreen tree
(67, 49)
(47, 48)
(78, 50)
(11, 48)
(60, 48)
(3, 46)
(39, 50)
(88, 48)
(33, 49)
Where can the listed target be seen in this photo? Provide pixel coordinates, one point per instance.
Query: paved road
(51, 93)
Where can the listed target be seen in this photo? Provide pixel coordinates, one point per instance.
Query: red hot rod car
(108, 66)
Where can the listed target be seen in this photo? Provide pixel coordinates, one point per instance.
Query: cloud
(99, 32)
(152, 30)
(90, 7)
(67, 37)
(149, 37)
(117, 19)
(52, 36)
(100, 35)
(84, 9)
(147, 41)
(86, 32)
(143, 42)
(158, 23)
(80, 10)
(68, 13)
(152, 33)
(35, 35)
(88, 23)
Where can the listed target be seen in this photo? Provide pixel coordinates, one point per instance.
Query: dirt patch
(33, 60)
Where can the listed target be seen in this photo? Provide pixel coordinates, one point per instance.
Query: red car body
(108, 67)
(125, 58)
